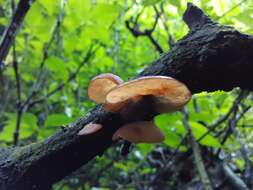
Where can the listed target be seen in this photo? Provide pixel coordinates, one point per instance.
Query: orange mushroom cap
(101, 85)
(168, 94)
(165, 93)
(139, 132)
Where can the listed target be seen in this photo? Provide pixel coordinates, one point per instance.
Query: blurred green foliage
(66, 30)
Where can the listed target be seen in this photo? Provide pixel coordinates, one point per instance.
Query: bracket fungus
(90, 128)
(165, 93)
(100, 85)
(139, 132)
(160, 93)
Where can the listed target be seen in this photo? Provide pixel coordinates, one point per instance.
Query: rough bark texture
(210, 57)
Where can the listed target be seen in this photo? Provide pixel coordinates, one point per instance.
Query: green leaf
(231, 144)
(172, 127)
(251, 159)
(50, 5)
(176, 3)
(245, 17)
(202, 116)
(198, 130)
(123, 166)
(147, 170)
(145, 148)
(104, 63)
(240, 164)
(52, 124)
(57, 120)
(46, 132)
(77, 14)
(27, 127)
(165, 120)
(104, 14)
(150, 2)
(57, 67)
(219, 6)
(172, 139)
(170, 122)
(38, 24)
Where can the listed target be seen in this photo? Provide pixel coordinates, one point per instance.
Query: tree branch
(147, 32)
(14, 26)
(233, 179)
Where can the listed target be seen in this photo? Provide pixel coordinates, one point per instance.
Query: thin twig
(14, 26)
(234, 179)
(171, 40)
(168, 161)
(222, 119)
(18, 83)
(195, 104)
(72, 76)
(15, 63)
(147, 32)
(230, 10)
(197, 155)
(231, 124)
(248, 166)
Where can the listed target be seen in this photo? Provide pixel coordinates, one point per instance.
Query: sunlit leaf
(57, 67)
(57, 120)
(28, 126)
(199, 130)
(150, 2)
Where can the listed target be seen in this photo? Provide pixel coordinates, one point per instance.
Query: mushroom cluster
(160, 93)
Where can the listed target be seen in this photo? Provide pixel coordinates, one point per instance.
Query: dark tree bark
(210, 57)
